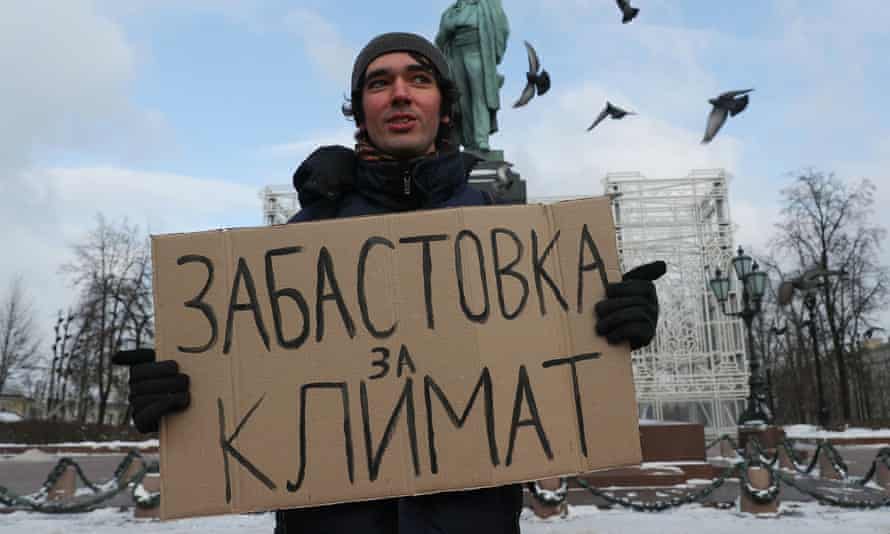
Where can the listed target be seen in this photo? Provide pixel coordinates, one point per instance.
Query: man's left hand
(630, 310)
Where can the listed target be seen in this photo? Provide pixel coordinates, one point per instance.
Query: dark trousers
(487, 511)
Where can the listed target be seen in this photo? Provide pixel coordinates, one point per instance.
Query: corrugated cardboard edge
(158, 336)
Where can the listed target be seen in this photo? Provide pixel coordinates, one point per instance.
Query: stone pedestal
(152, 484)
(65, 485)
(497, 177)
(543, 510)
(759, 477)
(672, 441)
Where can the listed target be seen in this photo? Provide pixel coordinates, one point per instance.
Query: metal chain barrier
(797, 479)
(658, 506)
(100, 493)
(845, 501)
(777, 476)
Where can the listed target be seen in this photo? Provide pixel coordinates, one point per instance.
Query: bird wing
(733, 94)
(622, 4)
(630, 14)
(599, 118)
(715, 120)
(526, 95)
(617, 112)
(533, 63)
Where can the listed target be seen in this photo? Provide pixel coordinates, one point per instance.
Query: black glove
(156, 388)
(325, 174)
(630, 310)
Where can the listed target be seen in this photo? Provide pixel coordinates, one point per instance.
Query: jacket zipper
(406, 182)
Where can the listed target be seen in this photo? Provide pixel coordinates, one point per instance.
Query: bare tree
(18, 341)
(826, 223)
(112, 271)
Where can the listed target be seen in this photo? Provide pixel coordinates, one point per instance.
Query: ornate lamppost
(753, 280)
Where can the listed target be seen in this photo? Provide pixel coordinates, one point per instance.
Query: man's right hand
(156, 388)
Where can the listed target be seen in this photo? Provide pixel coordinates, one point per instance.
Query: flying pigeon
(536, 82)
(730, 103)
(628, 12)
(611, 111)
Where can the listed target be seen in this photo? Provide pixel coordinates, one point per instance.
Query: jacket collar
(423, 182)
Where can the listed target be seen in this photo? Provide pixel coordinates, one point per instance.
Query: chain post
(762, 497)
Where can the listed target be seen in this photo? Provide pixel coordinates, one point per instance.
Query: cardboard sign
(393, 355)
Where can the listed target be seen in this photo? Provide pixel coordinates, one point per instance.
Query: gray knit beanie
(397, 42)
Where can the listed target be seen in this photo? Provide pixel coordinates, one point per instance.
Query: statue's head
(402, 97)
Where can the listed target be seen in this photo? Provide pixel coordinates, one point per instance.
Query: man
(402, 100)
(473, 35)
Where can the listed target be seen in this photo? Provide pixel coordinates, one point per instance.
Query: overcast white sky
(175, 113)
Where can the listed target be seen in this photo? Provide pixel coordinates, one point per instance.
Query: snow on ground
(794, 518)
(9, 417)
(815, 432)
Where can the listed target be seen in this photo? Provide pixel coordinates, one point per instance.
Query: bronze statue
(473, 36)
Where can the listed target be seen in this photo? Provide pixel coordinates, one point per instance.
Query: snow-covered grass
(794, 518)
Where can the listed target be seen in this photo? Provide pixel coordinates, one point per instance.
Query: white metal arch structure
(696, 367)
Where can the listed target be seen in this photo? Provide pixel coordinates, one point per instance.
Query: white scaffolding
(279, 203)
(696, 367)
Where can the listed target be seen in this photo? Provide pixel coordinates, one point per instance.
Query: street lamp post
(809, 301)
(753, 282)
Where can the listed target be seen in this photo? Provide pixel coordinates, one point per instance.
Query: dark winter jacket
(383, 187)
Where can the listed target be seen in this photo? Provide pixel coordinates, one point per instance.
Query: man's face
(401, 103)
